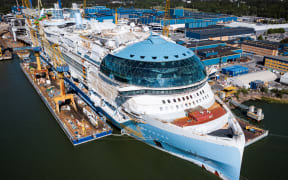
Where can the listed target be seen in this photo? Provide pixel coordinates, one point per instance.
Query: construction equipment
(34, 38)
(116, 16)
(59, 4)
(166, 20)
(253, 129)
(84, 6)
(61, 67)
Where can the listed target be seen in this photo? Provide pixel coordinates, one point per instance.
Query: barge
(81, 125)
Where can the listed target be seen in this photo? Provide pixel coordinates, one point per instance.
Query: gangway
(38, 48)
(237, 104)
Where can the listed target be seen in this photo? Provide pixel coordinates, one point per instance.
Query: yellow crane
(34, 39)
(116, 17)
(61, 67)
(84, 6)
(166, 20)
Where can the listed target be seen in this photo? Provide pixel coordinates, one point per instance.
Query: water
(33, 146)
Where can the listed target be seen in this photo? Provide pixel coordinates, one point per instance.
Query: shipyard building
(213, 52)
(276, 62)
(217, 32)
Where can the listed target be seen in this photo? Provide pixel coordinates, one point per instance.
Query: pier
(250, 110)
(237, 104)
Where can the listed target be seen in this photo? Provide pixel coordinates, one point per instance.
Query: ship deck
(75, 123)
(251, 136)
(213, 112)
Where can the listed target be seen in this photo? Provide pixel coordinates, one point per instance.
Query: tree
(284, 41)
(260, 38)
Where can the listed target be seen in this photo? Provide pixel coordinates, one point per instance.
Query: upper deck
(200, 115)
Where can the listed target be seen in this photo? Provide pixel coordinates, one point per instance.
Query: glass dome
(167, 71)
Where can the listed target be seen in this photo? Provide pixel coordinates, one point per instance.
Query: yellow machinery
(0, 52)
(251, 128)
(61, 67)
(229, 91)
(116, 16)
(84, 6)
(166, 21)
(35, 42)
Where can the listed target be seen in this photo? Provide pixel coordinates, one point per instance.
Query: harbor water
(33, 146)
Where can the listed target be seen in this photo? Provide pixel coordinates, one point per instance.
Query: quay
(250, 111)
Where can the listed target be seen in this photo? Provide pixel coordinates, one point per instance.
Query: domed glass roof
(181, 67)
(155, 49)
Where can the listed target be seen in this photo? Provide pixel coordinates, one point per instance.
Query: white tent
(244, 80)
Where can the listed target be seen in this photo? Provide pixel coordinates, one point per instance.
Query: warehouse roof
(244, 80)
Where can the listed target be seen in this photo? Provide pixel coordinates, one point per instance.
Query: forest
(261, 8)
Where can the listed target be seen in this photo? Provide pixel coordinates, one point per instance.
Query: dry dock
(81, 125)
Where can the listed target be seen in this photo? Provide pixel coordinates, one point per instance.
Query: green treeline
(261, 8)
(273, 31)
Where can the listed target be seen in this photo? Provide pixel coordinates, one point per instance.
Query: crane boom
(166, 20)
(60, 4)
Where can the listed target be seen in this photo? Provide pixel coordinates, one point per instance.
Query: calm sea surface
(33, 146)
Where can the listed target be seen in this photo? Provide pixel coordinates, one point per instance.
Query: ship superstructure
(153, 89)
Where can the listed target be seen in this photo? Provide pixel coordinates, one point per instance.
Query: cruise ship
(151, 88)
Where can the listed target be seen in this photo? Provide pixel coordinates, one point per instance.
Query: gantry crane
(61, 67)
(166, 20)
(84, 6)
(34, 39)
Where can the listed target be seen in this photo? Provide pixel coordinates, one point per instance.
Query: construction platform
(252, 133)
(81, 125)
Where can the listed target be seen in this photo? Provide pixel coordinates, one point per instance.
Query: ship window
(168, 101)
(163, 101)
(165, 57)
(203, 98)
(177, 106)
(197, 94)
(179, 100)
(194, 102)
(191, 97)
(197, 101)
(186, 105)
(174, 100)
(188, 52)
(187, 97)
(161, 108)
(183, 98)
(184, 54)
(142, 57)
(176, 56)
(154, 57)
(189, 104)
(132, 55)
